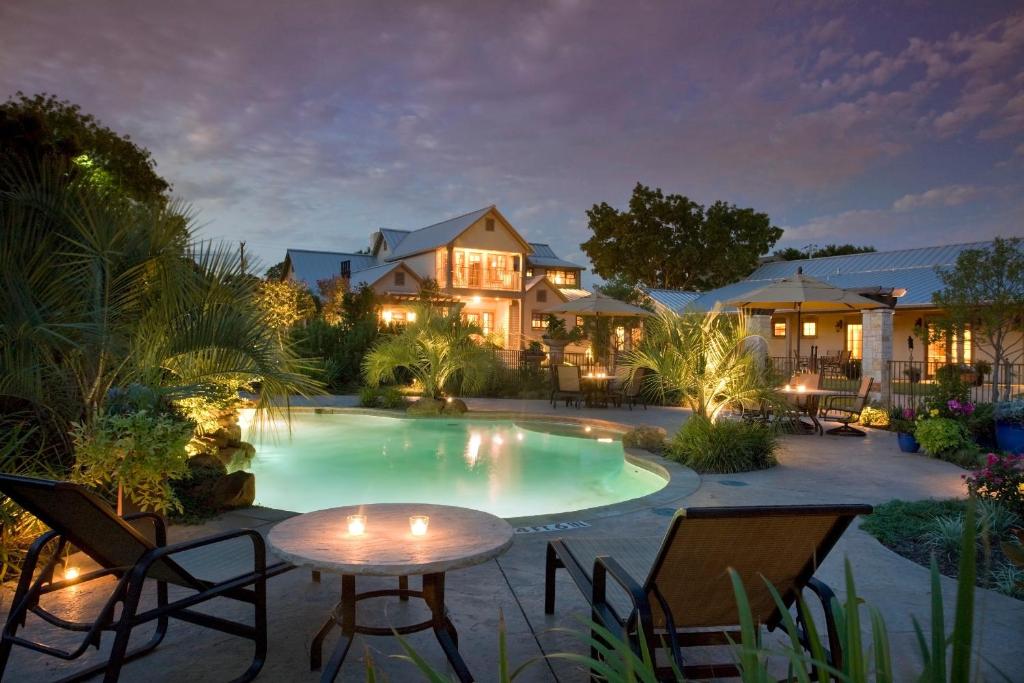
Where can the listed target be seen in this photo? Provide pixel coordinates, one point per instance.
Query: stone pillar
(877, 351)
(759, 324)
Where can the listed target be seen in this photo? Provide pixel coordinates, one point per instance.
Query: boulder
(236, 457)
(233, 434)
(235, 490)
(646, 437)
(206, 461)
(426, 406)
(455, 406)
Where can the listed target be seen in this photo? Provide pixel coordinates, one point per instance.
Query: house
(478, 259)
(904, 278)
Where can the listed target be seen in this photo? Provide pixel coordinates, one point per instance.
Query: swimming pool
(510, 469)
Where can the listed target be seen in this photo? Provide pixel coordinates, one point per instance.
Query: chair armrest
(607, 566)
(159, 525)
(259, 547)
(827, 597)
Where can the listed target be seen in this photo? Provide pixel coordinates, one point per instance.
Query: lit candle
(418, 525)
(786, 388)
(356, 525)
(800, 388)
(71, 573)
(588, 429)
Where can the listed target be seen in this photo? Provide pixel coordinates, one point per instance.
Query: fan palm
(102, 292)
(439, 350)
(708, 359)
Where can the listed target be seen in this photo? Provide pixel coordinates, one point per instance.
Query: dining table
(392, 540)
(595, 387)
(811, 404)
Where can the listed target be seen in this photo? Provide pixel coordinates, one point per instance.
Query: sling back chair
(679, 591)
(78, 518)
(632, 391)
(847, 409)
(566, 385)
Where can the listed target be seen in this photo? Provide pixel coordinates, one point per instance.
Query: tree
(275, 272)
(984, 292)
(284, 303)
(42, 129)
(670, 241)
(814, 251)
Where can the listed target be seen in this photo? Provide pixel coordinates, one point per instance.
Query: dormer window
(489, 225)
(400, 279)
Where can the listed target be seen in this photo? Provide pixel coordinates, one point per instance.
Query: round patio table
(455, 538)
(813, 397)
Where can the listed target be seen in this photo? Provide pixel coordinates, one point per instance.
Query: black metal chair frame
(129, 588)
(844, 415)
(639, 623)
(557, 393)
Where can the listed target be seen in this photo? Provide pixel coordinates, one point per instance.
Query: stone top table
(455, 538)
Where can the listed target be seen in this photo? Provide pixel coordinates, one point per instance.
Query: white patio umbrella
(803, 293)
(598, 305)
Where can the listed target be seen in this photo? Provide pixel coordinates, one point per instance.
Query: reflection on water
(508, 469)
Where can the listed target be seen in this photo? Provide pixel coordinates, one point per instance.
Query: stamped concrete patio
(811, 470)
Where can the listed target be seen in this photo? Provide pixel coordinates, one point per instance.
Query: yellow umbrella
(803, 293)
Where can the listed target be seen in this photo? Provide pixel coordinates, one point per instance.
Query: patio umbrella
(803, 293)
(598, 305)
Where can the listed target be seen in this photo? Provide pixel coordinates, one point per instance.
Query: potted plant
(1010, 425)
(902, 422)
(982, 369)
(913, 374)
(534, 354)
(557, 337)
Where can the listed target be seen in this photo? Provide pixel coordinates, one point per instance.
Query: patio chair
(676, 592)
(847, 409)
(80, 519)
(631, 391)
(566, 385)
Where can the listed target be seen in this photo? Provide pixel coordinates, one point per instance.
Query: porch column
(759, 323)
(877, 351)
(448, 270)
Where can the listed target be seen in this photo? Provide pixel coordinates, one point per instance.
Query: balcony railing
(479, 277)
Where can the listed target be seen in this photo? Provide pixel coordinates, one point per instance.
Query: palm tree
(440, 351)
(102, 292)
(708, 359)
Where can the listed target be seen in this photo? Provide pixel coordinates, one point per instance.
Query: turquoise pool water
(505, 468)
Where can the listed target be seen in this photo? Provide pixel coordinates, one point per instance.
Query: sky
(311, 124)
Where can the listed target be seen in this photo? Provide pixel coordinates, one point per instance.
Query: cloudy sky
(309, 124)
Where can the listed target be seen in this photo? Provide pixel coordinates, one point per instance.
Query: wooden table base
(344, 616)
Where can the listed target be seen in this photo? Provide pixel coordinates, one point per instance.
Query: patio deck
(811, 469)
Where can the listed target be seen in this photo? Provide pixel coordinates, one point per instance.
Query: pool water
(510, 469)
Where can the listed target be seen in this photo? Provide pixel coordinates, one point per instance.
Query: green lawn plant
(724, 446)
(942, 437)
(874, 417)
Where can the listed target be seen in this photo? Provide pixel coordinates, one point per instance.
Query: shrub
(982, 424)
(949, 386)
(874, 417)
(940, 436)
(1000, 480)
(140, 453)
(901, 420)
(392, 397)
(1010, 412)
(945, 534)
(369, 397)
(724, 446)
(648, 438)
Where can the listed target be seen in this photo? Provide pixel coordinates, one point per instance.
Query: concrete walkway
(811, 470)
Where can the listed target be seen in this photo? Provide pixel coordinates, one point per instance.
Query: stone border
(681, 480)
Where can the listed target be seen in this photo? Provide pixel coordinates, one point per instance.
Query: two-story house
(478, 259)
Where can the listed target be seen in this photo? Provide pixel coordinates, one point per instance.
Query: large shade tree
(670, 241)
(984, 292)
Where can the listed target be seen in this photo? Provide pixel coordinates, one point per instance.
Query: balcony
(479, 277)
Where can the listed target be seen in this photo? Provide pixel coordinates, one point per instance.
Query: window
(529, 272)
(779, 328)
(542, 296)
(855, 340)
(538, 321)
(489, 225)
(563, 278)
(809, 328)
(399, 279)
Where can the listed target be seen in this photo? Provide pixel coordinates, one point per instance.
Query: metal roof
(673, 299)
(573, 294)
(436, 235)
(568, 293)
(369, 276)
(545, 257)
(393, 237)
(313, 266)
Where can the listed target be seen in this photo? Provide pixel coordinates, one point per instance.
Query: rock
(203, 444)
(206, 461)
(645, 437)
(233, 434)
(236, 457)
(220, 438)
(235, 490)
(455, 406)
(426, 406)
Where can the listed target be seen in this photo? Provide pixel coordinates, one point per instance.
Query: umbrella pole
(799, 333)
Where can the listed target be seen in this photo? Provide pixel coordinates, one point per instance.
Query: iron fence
(912, 382)
(843, 376)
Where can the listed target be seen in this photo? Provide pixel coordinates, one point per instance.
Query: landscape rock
(455, 406)
(206, 461)
(426, 406)
(646, 437)
(237, 457)
(235, 490)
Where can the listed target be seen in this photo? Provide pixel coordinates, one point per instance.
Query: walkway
(811, 470)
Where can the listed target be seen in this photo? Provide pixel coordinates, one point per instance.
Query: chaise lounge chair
(80, 519)
(677, 591)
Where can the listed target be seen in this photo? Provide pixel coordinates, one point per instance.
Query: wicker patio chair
(80, 519)
(847, 409)
(676, 592)
(566, 385)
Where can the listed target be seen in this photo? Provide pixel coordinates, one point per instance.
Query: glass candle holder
(786, 388)
(418, 525)
(800, 388)
(356, 525)
(71, 573)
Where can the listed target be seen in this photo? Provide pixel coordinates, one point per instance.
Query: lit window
(542, 296)
(855, 340)
(529, 272)
(539, 321)
(779, 329)
(810, 328)
(399, 279)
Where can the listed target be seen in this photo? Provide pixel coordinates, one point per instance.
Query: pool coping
(681, 481)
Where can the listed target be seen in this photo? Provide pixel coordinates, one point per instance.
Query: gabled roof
(913, 270)
(393, 237)
(573, 294)
(370, 276)
(440, 234)
(545, 257)
(313, 266)
(676, 300)
(567, 293)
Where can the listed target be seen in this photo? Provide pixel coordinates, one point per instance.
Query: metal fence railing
(911, 382)
(838, 376)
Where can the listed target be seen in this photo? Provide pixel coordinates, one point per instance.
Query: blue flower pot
(1010, 437)
(908, 444)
